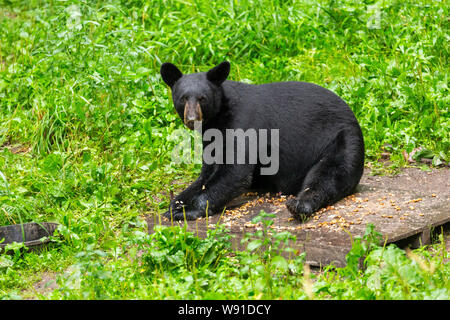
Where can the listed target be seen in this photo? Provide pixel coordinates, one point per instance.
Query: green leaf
(423, 153)
(436, 161)
(253, 245)
(280, 263)
(6, 261)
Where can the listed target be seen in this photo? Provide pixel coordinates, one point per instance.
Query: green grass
(85, 121)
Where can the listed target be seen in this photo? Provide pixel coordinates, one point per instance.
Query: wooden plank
(402, 207)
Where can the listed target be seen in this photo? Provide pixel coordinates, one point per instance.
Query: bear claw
(299, 209)
(177, 215)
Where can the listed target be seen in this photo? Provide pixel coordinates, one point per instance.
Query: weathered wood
(36, 234)
(404, 209)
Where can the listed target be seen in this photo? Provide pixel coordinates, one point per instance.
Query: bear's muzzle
(192, 113)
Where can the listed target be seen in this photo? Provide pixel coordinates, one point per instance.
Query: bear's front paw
(300, 209)
(180, 214)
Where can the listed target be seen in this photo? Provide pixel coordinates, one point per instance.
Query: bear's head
(196, 96)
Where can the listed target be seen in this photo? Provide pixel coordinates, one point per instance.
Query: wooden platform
(405, 209)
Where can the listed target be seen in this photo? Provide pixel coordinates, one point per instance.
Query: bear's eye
(202, 99)
(184, 99)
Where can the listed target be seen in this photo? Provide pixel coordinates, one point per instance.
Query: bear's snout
(192, 113)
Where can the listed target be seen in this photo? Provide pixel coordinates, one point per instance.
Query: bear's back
(282, 104)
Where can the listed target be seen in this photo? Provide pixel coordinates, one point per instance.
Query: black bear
(314, 136)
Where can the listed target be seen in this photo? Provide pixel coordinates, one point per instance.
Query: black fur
(321, 147)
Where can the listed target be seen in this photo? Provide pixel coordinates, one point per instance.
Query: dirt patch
(42, 287)
(16, 148)
(47, 284)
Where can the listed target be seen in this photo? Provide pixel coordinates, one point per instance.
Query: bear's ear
(170, 73)
(219, 73)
